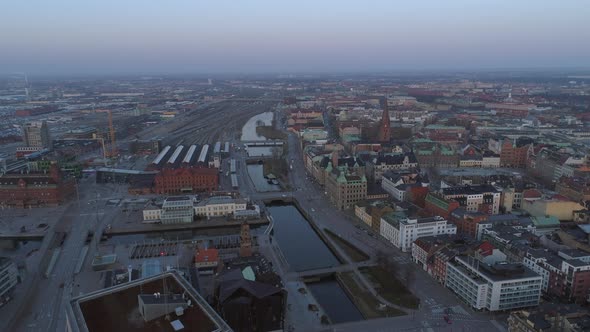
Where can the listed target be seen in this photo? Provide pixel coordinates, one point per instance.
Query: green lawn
(354, 253)
(390, 287)
(365, 301)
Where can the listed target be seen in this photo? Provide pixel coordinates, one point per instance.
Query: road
(43, 311)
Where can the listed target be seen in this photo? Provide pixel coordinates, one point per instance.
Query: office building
(402, 231)
(493, 287)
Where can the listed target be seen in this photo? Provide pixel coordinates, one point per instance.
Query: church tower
(245, 241)
(384, 134)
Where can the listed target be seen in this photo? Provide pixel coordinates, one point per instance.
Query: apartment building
(382, 163)
(484, 198)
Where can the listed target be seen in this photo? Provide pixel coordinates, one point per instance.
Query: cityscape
(243, 193)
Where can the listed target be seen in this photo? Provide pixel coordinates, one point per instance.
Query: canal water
(332, 298)
(256, 173)
(300, 244)
(249, 129)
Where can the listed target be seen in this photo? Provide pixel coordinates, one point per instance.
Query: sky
(199, 36)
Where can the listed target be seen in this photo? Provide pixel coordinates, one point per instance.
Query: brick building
(439, 206)
(514, 153)
(186, 180)
(467, 221)
(35, 189)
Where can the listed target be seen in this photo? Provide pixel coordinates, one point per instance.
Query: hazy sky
(132, 36)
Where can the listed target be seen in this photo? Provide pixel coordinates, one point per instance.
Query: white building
(402, 231)
(152, 215)
(472, 198)
(396, 183)
(490, 161)
(219, 206)
(8, 275)
(493, 287)
(175, 210)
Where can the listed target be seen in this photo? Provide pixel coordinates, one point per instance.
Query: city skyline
(264, 37)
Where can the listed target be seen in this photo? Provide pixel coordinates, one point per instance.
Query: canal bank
(335, 302)
(300, 242)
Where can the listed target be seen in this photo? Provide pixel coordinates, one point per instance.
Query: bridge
(317, 274)
(22, 236)
(263, 143)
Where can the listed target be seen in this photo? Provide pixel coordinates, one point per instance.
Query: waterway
(334, 301)
(300, 244)
(256, 173)
(249, 129)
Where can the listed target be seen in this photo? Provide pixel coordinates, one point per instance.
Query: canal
(249, 130)
(256, 173)
(332, 298)
(301, 245)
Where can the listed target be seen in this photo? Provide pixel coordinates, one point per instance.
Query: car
(447, 319)
(312, 210)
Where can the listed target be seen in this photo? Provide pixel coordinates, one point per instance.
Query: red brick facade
(513, 156)
(439, 206)
(467, 223)
(186, 180)
(35, 189)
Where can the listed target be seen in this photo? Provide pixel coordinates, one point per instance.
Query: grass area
(390, 287)
(270, 132)
(368, 305)
(354, 253)
(277, 167)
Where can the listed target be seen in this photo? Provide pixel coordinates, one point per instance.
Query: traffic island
(368, 305)
(354, 253)
(390, 288)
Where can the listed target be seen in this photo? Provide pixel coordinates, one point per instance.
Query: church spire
(384, 134)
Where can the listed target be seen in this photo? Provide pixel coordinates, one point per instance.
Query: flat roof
(117, 308)
(124, 171)
(499, 271)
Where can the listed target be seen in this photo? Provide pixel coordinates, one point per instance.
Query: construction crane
(112, 152)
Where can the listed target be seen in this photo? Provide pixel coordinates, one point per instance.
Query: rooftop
(470, 190)
(117, 308)
(501, 271)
